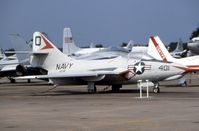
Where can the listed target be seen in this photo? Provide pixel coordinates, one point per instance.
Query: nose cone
(190, 45)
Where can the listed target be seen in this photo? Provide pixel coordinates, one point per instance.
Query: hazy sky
(99, 21)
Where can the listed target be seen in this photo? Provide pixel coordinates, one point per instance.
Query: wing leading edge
(79, 74)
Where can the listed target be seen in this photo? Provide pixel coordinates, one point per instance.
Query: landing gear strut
(156, 88)
(116, 88)
(28, 80)
(91, 87)
(11, 80)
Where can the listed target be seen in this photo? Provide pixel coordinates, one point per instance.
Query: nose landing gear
(156, 88)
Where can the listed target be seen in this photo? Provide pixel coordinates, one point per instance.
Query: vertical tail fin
(2, 55)
(130, 45)
(92, 45)
(179, 46)
(45, 54)
(69, 46)
(19, 44)
(157, 50)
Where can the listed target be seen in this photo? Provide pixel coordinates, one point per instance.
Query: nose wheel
(156, 88)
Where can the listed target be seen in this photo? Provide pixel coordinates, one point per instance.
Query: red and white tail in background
(157, 50)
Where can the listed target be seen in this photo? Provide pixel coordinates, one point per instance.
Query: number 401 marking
(164, 67)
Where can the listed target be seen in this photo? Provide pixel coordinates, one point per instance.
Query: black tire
(12, 80)
(28, 80)
(184, 84)
(116, 88)
(156, 90)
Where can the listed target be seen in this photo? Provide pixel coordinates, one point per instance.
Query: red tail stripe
(158, 49)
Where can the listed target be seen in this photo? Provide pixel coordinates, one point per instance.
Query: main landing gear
(156, 88)
(91, 88)
(116, 88)
(11, 80)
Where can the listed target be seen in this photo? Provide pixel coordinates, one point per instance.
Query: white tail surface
(157, 50)
(45, 54)
(69, 46)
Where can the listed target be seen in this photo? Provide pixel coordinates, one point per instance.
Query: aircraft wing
(102, 55)
(9, 68)
(80, 74)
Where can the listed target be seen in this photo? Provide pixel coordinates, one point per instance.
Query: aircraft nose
(191, 46)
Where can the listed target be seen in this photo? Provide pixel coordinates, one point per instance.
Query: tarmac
(34, 107)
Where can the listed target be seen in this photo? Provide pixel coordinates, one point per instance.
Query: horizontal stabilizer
(9, 67)
(18, 52)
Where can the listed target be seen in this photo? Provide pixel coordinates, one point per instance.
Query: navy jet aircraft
(66, 70)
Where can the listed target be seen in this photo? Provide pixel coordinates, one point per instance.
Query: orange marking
(158, 49)
(189, 68)
(47, 44)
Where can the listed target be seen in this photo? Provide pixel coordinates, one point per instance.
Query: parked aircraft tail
(157, 50)
(69, 46)
(45, 54)
(179, 47)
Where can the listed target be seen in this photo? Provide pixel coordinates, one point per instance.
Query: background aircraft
(193, 47)
(179, 52)
(71, 49)
(8, 68)
(23, 51)
(20, 66)
(2, 55)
